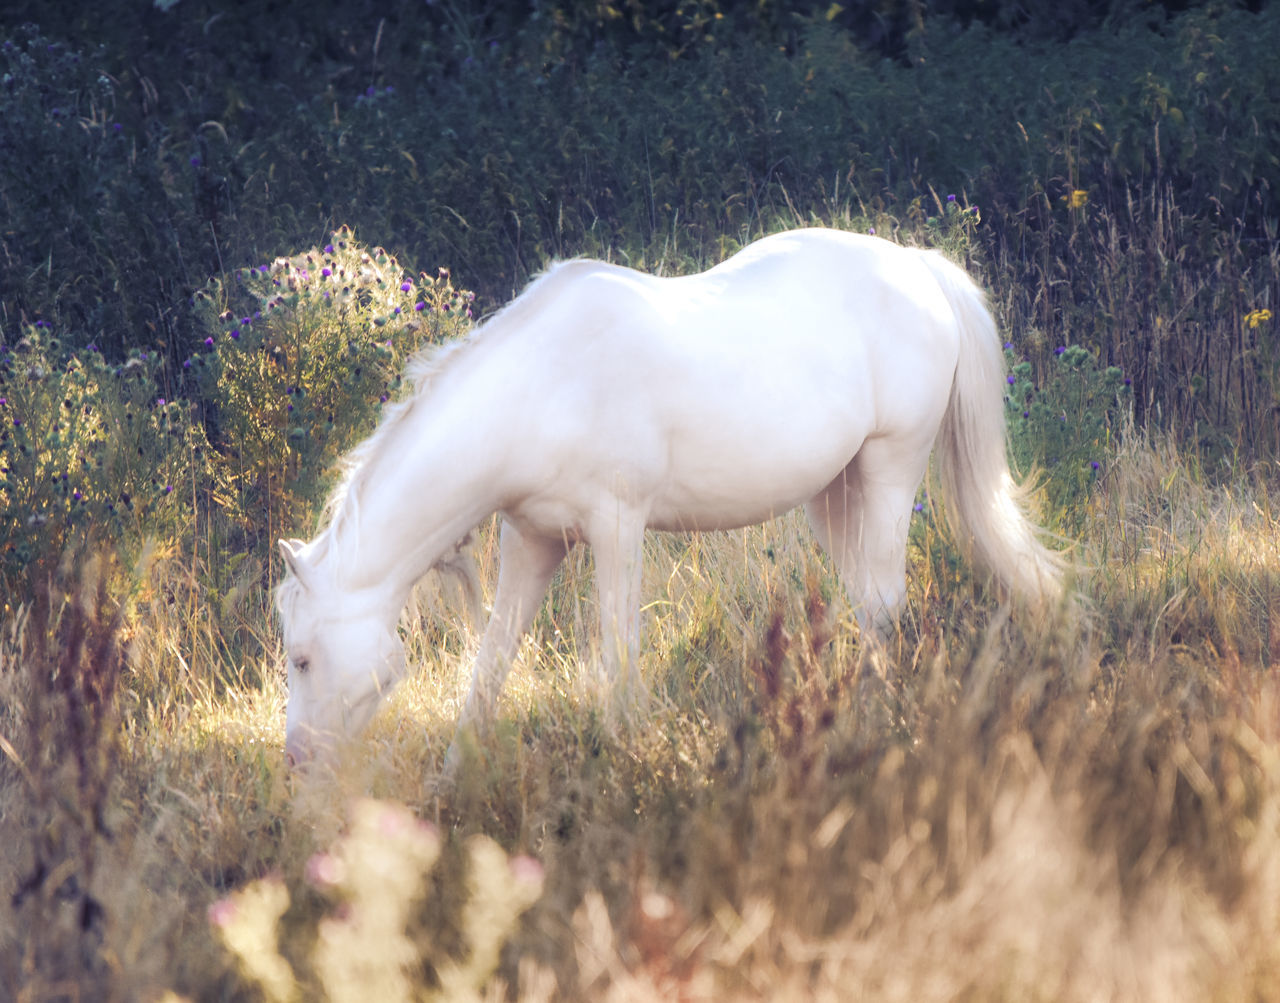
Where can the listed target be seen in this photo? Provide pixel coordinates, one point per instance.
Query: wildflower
(1011, 379)
(328, 248)
(221, 913)
(951, 198)
(1008, 346)
(1095, 465)
(405, 287)
(918, 507)
(160, 402)
(1078, 198)
(208, 342)
(326, 272)
(168, 489)
(195, 161)
(324, 870)
(1060, 349)
(234, 334)
(419, 306)
(1256, 318)
(871, 231)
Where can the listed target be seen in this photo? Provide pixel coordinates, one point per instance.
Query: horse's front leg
(526, 563)
(618, 544)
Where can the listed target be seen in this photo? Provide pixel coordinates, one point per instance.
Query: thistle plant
(375, 877)
(299, 357)
(89, 449)
(1066, 425)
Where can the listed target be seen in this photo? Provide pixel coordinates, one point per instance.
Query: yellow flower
(1257, 318)
(1079, 197)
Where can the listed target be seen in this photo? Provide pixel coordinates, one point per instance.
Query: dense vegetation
(224, 227)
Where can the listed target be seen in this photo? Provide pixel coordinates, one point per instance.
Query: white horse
(814, 367)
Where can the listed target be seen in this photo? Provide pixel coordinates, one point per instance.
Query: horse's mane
(425, 369)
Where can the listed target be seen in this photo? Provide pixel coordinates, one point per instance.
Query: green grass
(998, 809)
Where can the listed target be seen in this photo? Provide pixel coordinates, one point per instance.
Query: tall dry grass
(994, 809)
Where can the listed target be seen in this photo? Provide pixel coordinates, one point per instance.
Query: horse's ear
(291, 551)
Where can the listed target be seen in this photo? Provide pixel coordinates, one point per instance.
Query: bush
(299, 357)
(91, 450)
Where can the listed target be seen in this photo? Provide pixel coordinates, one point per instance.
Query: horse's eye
(302, 664)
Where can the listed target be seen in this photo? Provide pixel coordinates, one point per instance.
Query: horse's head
(344, 656)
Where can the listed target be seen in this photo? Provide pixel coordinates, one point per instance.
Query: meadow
(1084, 805)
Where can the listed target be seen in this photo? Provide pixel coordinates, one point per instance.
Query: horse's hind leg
(861, 520)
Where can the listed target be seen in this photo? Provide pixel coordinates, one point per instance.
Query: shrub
(298, 359)
(1067, 426)
(90, 450)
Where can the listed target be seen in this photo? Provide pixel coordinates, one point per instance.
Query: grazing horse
(815, 367)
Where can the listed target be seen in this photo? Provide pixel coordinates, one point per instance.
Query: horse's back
(739, 392)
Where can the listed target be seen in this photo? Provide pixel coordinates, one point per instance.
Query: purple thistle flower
(1095, 464)
(1011, 379)
(234, 334)
(419, 305)
(160, 402)
(195, 161)
(326, 272)
(208, 342)
(328, 248)
(405, 287)
(1060, 349)
(951, 198)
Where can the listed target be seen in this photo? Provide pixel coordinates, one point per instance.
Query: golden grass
(1087, 809)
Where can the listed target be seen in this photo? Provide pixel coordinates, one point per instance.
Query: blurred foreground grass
(995, 810)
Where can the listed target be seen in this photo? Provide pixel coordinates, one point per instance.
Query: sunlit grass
(996, 808)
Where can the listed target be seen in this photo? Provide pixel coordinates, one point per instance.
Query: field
(1082, 805)
(1078, 809)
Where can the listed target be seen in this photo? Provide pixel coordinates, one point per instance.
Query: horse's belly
(711, 484)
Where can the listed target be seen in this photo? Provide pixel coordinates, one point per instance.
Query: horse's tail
(984, 505)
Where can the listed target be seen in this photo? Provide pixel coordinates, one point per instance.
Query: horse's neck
(432, 479)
